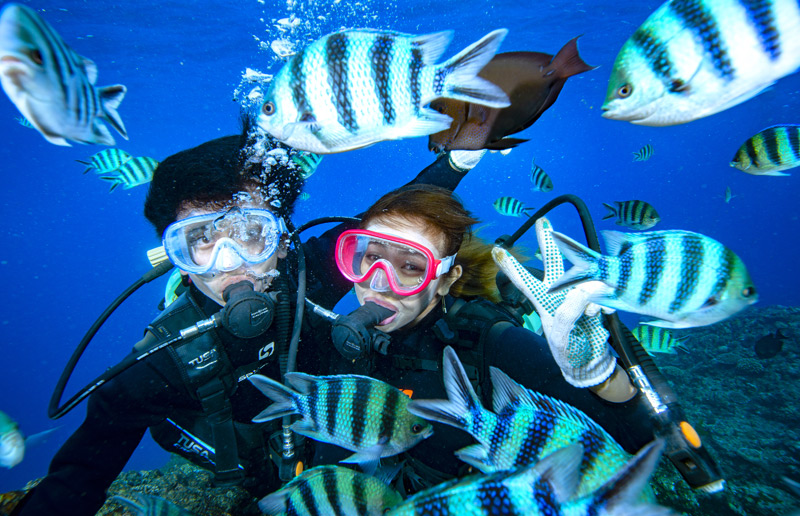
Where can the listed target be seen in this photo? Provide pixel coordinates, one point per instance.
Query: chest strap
(219, 414)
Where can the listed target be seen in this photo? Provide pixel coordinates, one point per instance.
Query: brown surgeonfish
(532, 81)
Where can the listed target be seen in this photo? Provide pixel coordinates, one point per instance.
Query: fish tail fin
(462, 402)
(461, 81)
(683, 347)
(612, 212)
(584, 262)
(88, 164)
(527, 210)
(282, 396)
(568, 61)
(619, 495)
(111, 97)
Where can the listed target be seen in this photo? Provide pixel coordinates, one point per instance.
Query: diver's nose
(228, 259)
(379, 282)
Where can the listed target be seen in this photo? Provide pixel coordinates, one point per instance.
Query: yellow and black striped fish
(634, 214)
(511, 207)
(541, 181)
(770, 151)
(135, 172)
(658, 340)
(644, 153)
(106, 161)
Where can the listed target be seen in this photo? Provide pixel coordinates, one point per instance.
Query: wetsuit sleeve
(440, 173)
(117, 416)
(526, 358)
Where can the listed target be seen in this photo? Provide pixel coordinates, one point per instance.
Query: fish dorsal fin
(432, 45)
(90, 68)
(506, 392)
(301, 382)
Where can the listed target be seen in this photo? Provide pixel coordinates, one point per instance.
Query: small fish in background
(511, 207)
(691, 59)
(770, 151)
(532, 80)
(134, 172)
(354, 88)
(106, 161)
(523, 428)
(150, 505)
(308, 163)
(728, 195)
(542, 489)
(633, 214)
(24, 122)
(658, 340)
(331, 490)
(12, 442)
(683, 279)
(304, 196)
(770, 345)
(541, 181)
(644, 153)
(379, 423)
(53, 86)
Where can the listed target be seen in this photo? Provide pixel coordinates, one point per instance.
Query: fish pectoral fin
(476, 456)
(370, 458)
(308, 429)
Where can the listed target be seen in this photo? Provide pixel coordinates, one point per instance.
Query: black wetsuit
(154, 393)
(520, 353)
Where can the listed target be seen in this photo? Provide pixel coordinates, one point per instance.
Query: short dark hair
(214, 172)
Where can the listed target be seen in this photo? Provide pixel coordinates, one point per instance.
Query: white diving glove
(463, 161)
(572, 326)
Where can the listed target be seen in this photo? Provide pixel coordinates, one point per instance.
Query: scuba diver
(222, 209)
(424, 283)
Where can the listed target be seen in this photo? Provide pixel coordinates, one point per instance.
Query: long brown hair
(444, 216)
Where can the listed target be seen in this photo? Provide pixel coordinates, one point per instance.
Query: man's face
(213, 283)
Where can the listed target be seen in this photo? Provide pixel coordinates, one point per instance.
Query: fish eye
(36, 56)
(268, 108)
(417, 428)
(625, 91)
(749, 292)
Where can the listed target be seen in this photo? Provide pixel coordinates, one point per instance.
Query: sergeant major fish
(511, 207)
(134, 172)
(693, 58)
(105, 161)
(542, 489)
(770, 151)
(361, 414)
(524, 427)
(683, 279)
(13, 443)
(633, 214)
(658, 340)
(51, 85)
(354, 88)
(150, 505)
(331, 490)
(541, 181)
(644, 153)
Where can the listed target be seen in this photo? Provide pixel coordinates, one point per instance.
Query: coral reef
(746, 411)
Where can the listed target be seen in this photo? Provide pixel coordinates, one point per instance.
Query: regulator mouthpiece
(355, 335)
(247, 314)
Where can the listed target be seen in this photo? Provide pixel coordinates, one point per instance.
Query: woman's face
(409, 310)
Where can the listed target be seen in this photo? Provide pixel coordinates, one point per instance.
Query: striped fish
(770, 151)
(150, 505)
(134, 172)
(524, 427)
(51, 85)
(728, 195)
(633, 214)
(24, 122)
(354, 88)
(308, 163)
(106, 161)
(541, 181)
(683, 279)
(361, 414)
(644, 153)
(331, 490)
(658, 340)
(693, 58)
(542, 489)
(304, 196)
(511, 207)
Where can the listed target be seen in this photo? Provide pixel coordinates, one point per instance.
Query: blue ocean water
(69, 247)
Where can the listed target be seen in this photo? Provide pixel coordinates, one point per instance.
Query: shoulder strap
(219, 414)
